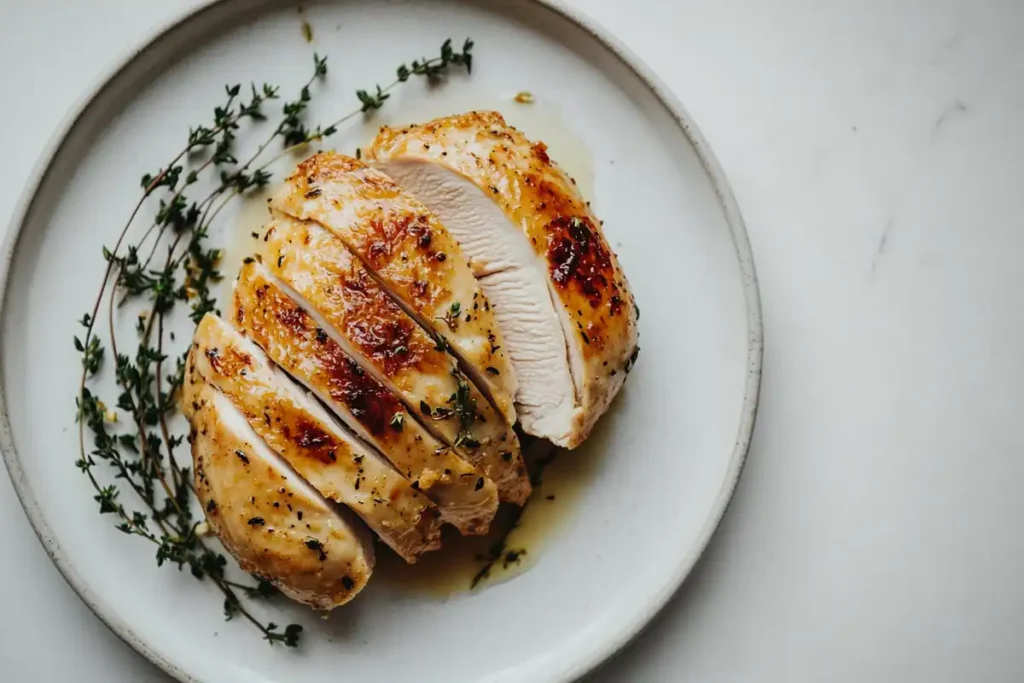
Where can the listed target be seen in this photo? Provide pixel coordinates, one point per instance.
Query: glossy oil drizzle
(516, 542)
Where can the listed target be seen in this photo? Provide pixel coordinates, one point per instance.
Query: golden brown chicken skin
(412, 254)
(299, 345)
(273, 523)
(377, 333)
(549, 247)
(296, 427)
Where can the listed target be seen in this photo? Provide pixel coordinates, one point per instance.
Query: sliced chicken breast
(295, 342)
(562, 301)
(375, 332)
(411, 253)
(297, 428)
(272, 521)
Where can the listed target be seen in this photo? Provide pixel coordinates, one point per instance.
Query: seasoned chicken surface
(375, 332)
(274, 523)
(295, 426)
(300, 345)
(561, 299)
(412, 254)
(390, 327)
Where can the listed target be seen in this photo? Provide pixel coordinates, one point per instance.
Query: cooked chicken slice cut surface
(297, 427)
(375, 332)
(562, 301)
(272, 521)
(412, 254)
(299, 345)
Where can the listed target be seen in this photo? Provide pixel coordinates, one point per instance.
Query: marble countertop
(875, 150)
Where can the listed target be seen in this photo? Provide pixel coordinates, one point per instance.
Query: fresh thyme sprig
(143, 455)
(433, 69)
(141, 449)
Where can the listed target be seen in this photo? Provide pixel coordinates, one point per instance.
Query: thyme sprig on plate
(432, 69)
(171, 264)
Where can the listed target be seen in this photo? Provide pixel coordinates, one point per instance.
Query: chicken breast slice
(294, 341)
(411, 253)
(375, 332)
(298, 429)
(267, 517)
(562, 300)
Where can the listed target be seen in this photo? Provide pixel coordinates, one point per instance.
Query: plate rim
(626, 632)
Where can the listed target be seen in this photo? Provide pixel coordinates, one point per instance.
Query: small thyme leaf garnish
(290, 636)
(92, 354)
(451, 316)
(440, 343)
(171, 265)
(464, 406)
(438, 413)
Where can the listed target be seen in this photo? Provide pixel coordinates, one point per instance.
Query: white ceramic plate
(665, 460)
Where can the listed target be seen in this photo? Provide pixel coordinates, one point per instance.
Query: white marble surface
(876, 151)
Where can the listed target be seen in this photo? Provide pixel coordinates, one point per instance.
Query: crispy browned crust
(290, 336)
(539, 197)
(316, 264)
(272, 528)
(410, 251)
(403, 517)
